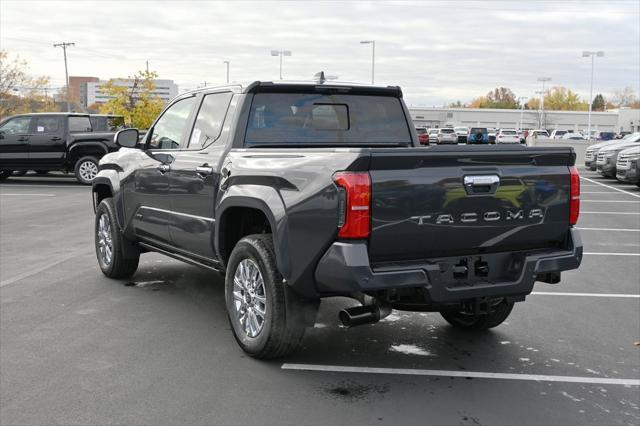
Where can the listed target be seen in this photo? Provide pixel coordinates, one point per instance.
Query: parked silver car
(608, 156)
(628, 165)
(590, 156)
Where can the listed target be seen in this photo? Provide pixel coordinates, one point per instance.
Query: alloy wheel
(249, 298)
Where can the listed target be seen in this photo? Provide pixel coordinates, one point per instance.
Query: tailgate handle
(481, 184)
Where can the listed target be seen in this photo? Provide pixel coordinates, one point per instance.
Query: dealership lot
(78, 348)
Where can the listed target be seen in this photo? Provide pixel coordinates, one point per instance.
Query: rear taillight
(354, 209)
(574, 198)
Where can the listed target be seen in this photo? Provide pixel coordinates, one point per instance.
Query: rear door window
(48, 125)
(79, 124)
(312, 118)
(208, 124)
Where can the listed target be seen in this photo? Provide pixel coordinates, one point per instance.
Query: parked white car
(462, 132)
(558, 134)
(433, 135)
(447, 135)
(507, 136)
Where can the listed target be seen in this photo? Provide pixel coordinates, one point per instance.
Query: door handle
(56, 138)
(23, 138)
(163, 168)
(204, 171)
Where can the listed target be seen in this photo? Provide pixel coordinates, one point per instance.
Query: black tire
(4, 174)
(281, 331)
(41, 172)
(466, 321)
(86, 169)
(125, 254)
(19, 173)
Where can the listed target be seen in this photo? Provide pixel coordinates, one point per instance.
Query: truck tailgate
(437, 202)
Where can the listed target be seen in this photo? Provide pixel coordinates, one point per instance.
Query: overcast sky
(438, 51)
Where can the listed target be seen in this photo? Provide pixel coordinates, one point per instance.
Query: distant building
(87, 90)
(613, 120)
(78, 88)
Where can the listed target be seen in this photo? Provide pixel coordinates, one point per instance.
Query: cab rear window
(326, 119)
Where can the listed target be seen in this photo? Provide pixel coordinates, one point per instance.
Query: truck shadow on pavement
(402, 340)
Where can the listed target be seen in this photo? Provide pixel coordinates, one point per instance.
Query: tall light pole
(64, 46)
(227, 62)
(543, 80)
(281, 53)
(373, 57)
(586, 54)
(520, 99)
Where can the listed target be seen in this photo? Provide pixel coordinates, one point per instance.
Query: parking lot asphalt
(78, 348)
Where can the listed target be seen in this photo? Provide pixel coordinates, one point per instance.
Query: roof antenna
(320, 77)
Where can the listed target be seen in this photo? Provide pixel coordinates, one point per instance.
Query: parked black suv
(301, 191)
(53, 142)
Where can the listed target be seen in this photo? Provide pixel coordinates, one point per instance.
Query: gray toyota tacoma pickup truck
(298, 192)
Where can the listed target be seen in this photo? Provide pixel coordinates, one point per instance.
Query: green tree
(457, 104)
(20, 92)
(138, 104)
(598, 103)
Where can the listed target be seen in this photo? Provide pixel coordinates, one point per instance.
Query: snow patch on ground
(410, 350)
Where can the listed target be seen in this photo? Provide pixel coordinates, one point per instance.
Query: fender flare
(110, 179)
(268, 201)
(78, 145)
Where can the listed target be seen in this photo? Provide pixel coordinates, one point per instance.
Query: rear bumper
(345, 269)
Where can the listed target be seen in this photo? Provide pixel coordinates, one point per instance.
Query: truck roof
(294, 86)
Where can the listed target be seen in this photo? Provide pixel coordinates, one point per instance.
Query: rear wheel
(86, 170)
(499, 313)
(117, 256)
(264, 324)
(4, 174)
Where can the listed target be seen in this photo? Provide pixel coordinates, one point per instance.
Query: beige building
(613, 120)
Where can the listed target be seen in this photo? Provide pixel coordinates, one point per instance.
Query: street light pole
(227, 62)
(542, 117)
(373, 57)
(281, 53)
(586, 54)
(64, 46)
(522, 98)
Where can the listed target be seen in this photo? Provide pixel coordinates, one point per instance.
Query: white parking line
(42, 268)
(28, 195)
(610, 254)
(609, 229)
(595, 192)
(28, 185)
(465, 374)
(610, 201)
(612, 187)
(553, 293)
(590, 212)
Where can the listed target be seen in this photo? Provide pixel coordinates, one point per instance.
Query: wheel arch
(79, 150)
(269, 207)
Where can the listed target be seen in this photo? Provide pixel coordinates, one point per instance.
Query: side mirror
(127, 138)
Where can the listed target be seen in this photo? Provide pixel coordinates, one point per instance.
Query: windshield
(313, 118)
(446, 130)
(478, 130)
(508, 132)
